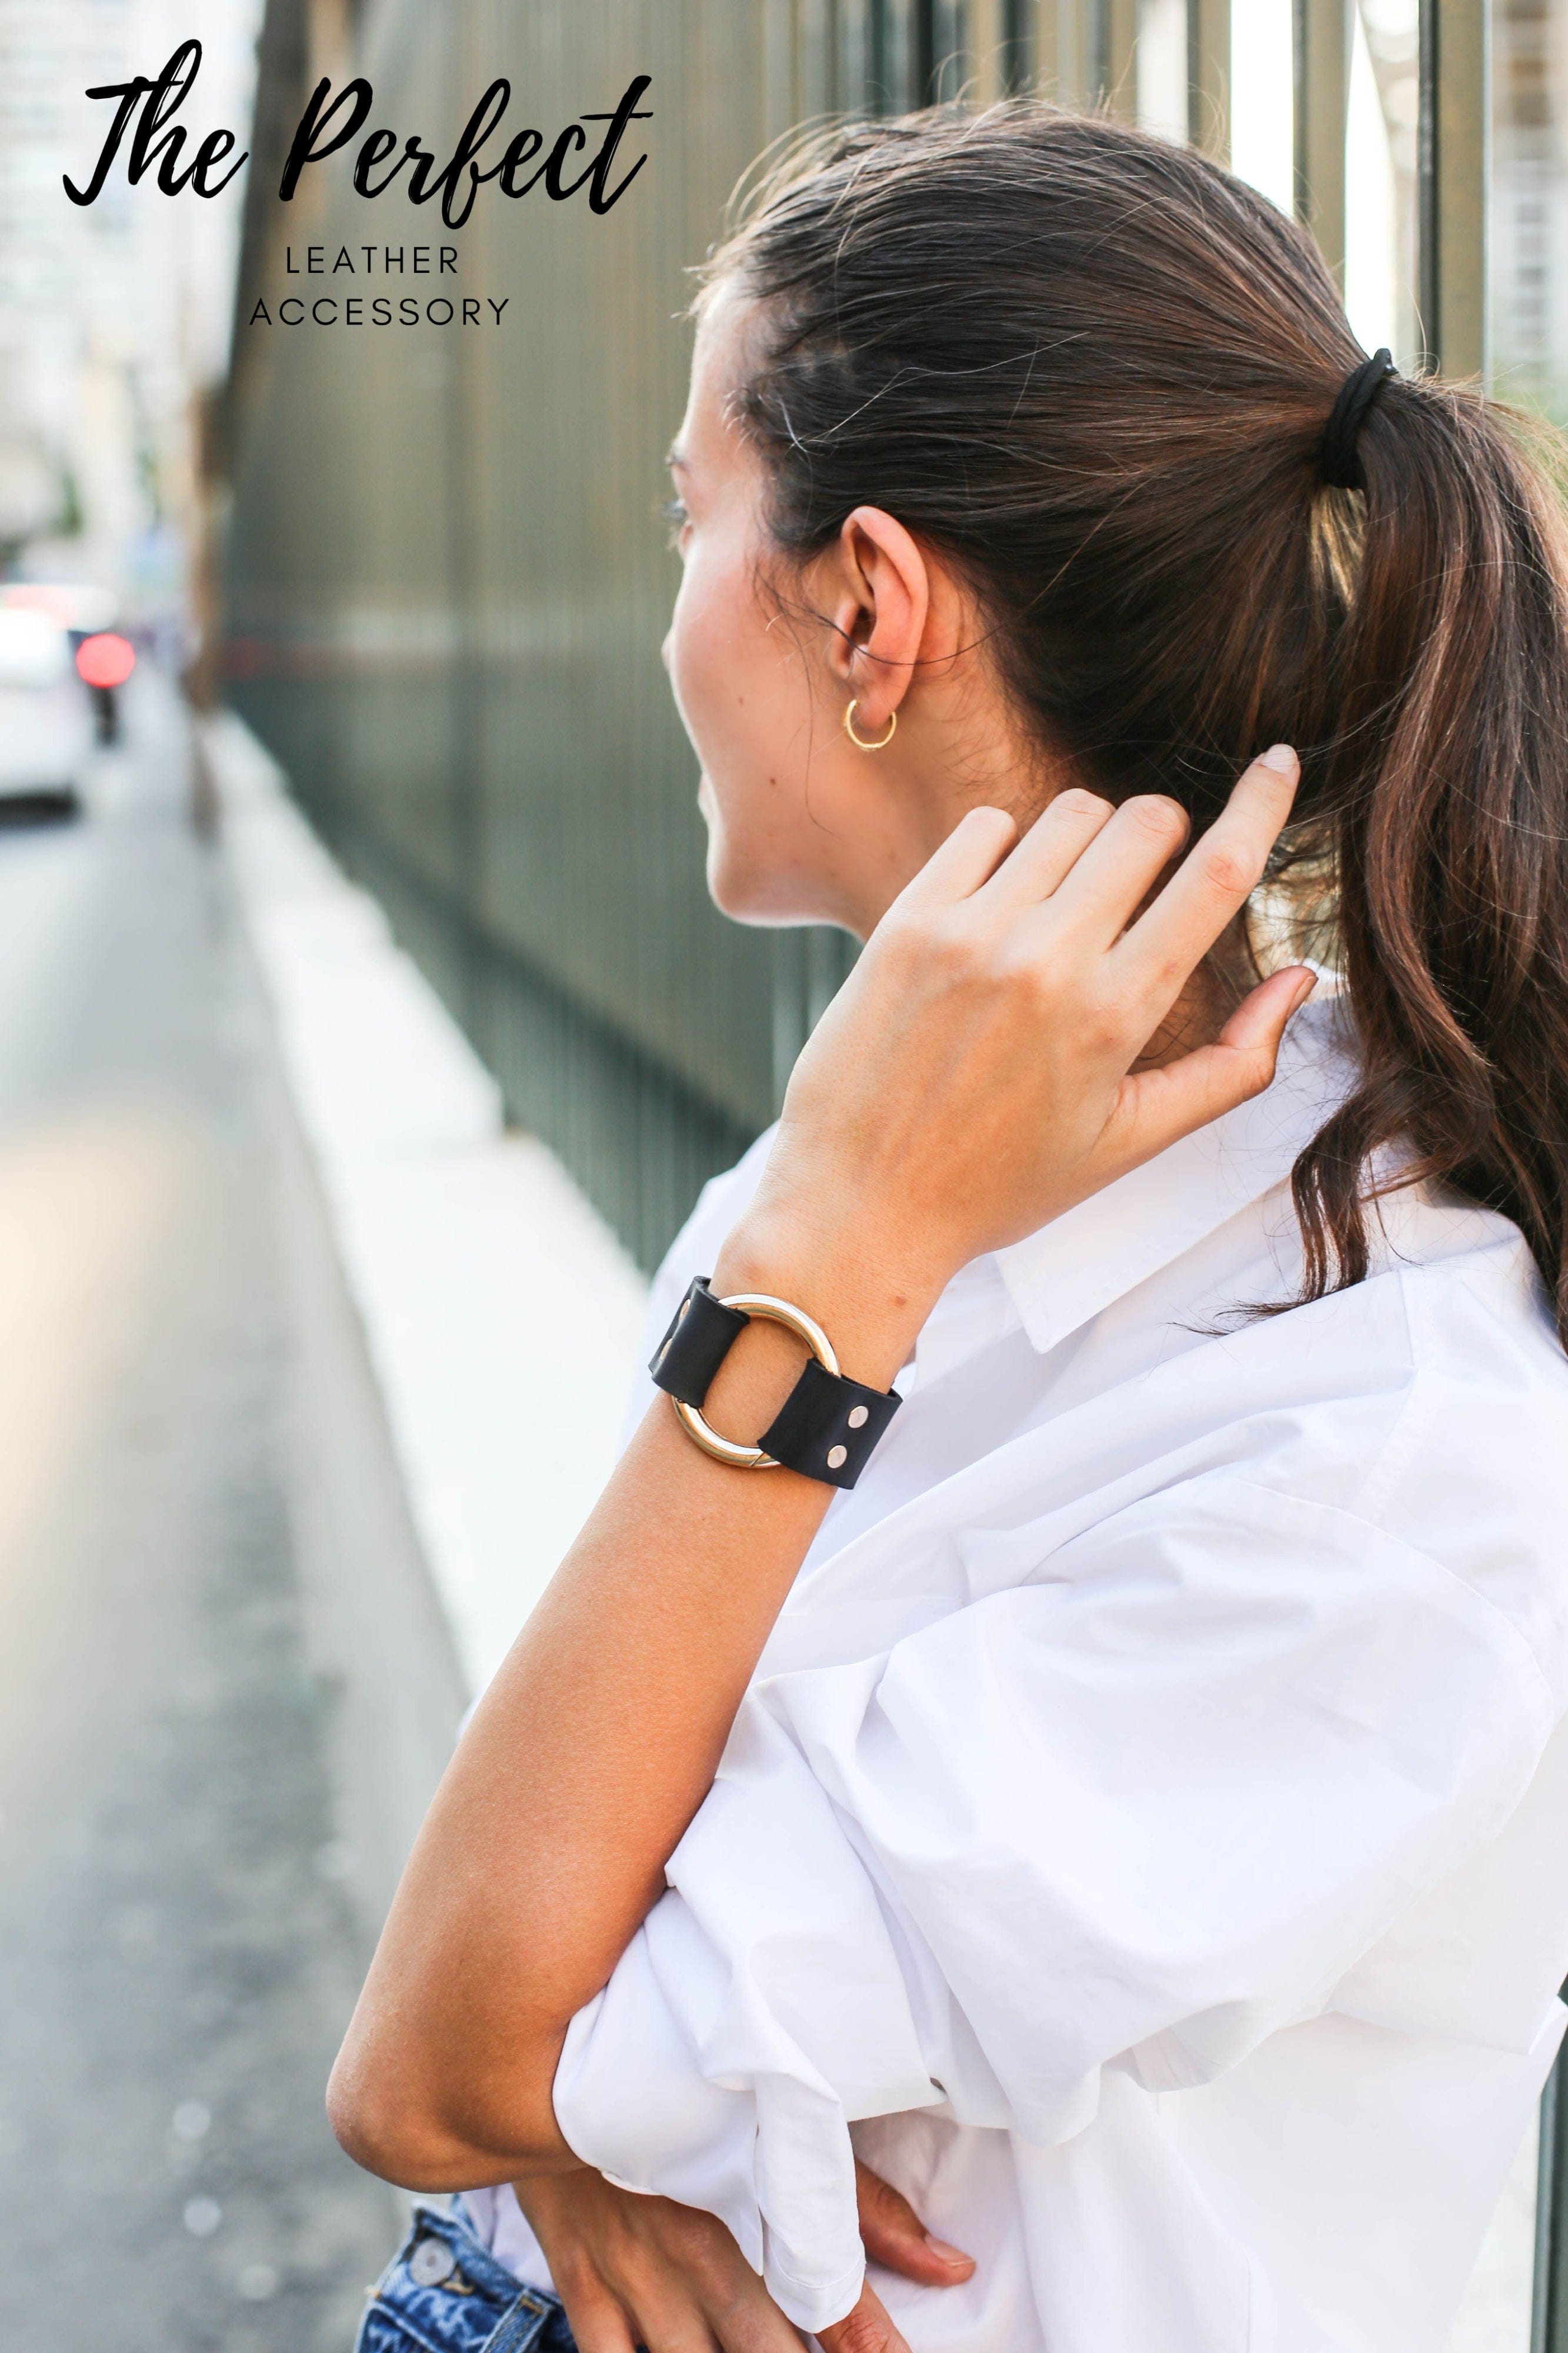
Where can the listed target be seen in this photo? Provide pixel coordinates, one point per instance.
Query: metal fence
(446, 585)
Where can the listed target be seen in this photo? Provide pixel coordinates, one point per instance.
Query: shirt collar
(1075, 1267)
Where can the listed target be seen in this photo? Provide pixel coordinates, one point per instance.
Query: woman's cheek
(720, 674)
(697, 664)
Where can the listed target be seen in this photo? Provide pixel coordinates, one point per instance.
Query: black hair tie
(1337, 451)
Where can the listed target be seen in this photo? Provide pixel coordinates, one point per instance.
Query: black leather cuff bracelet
(826, 1426)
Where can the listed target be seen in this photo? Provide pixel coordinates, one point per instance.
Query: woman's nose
(664, 649)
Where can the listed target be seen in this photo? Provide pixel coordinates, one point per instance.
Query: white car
(45, 723)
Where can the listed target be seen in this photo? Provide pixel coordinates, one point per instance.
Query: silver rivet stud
(431, 2263)
(837, 1456)
(860, 1415)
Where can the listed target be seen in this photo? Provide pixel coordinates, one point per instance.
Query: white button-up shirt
(1145, 1838)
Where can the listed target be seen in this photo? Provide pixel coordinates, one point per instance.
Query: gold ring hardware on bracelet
(772, 1311)
(859, 741)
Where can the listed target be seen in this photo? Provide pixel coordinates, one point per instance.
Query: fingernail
(1309, 983)
(945, 2253)
(1280, 756)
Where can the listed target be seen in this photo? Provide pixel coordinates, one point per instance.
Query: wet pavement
(179, 1942)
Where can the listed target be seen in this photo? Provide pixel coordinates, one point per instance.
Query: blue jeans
(443, 2293)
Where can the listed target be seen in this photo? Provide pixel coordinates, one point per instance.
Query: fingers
(1098, 894)
(648, 2273)
(1260, 1020)
(665, 2320)
(969, 857)
(892, 2233)
(1213, 882)
(1097, 863)
(597, 2323)
(693, 2291)
(1051, 849)
(866, 2329)
(1158, 1107)
(747, 2320)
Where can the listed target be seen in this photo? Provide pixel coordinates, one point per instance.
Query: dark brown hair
(1094, 371)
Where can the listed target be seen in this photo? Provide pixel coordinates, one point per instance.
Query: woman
(1124, 1830)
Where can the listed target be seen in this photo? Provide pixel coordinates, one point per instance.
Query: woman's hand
(893, 2235)
(633, 2271)
(976, 1075)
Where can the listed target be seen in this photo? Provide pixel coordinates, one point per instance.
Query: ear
(879, 594)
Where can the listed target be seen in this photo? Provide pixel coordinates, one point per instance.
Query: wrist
(543, 2187)
(872, 1315)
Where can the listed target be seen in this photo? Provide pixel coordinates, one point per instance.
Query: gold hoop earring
(859, 741)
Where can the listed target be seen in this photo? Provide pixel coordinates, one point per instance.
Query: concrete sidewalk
(502, 1314)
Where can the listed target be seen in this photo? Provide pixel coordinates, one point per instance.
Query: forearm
(587, 1758)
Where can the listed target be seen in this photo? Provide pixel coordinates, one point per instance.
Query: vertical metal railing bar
(1097, 51)
(951, 62)
(1208, 76)
(896, 71)
(1017, 61)
(1077, 47)
(923, 50)
(986, 44)
(468, 683)
(1549, 2306)
(1426, 299)
(777, 62)
(1322, 52)
(854, 55)
(877, 94)
(1120, 84)
(1454, 138)
(1086, 53)
(814, 59)
(1042, 33)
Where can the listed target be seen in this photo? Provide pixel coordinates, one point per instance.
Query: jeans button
(431, 2263)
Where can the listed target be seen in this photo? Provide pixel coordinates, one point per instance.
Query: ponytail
(1095, 371)
(1446, 789)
